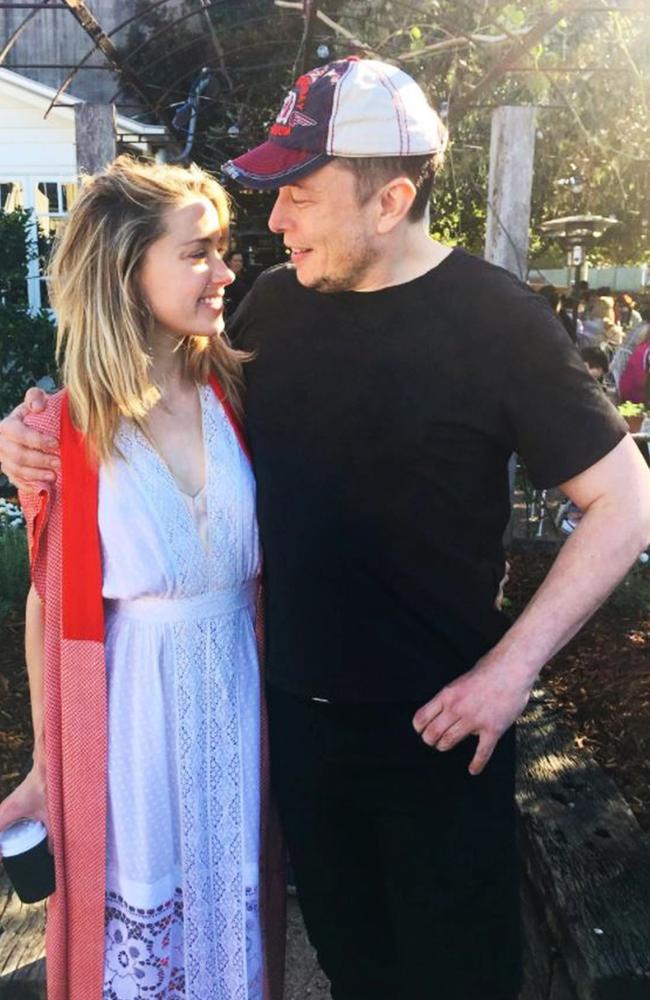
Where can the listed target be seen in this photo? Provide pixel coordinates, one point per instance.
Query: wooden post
(95, 136)
(512, 149)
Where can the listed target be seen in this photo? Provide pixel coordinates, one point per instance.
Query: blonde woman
(148, 765)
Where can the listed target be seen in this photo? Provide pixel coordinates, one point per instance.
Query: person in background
(634, 386)
(240, 287)
(601, 328)
(627, 315)
(554, 299)
(596, 361)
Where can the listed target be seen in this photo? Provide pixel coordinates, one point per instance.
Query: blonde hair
(603, 308)
(103, 321)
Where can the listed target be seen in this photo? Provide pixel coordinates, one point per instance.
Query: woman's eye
(198, 254)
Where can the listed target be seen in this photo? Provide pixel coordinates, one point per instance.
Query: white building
(38, 160)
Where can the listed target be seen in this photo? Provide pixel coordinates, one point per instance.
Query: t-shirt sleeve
(560, 421)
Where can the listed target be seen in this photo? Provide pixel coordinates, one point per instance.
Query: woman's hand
(27, 801)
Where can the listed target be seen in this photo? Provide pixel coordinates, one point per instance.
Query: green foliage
(15, 255)
(14, 568)
(26, 352)
(628, 409)
(593, 118)
(26, 339)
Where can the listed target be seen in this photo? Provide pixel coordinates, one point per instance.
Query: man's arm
(615, 497)
(28, 457)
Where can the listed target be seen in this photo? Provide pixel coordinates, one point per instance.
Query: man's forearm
(590, 564)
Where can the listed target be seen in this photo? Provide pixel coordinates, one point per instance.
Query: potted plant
(633, 413)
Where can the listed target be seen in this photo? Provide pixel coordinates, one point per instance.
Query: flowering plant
(11, 516)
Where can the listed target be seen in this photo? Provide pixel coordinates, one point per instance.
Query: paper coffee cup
(27, 860)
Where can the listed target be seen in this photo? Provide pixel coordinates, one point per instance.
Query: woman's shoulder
(48, 421)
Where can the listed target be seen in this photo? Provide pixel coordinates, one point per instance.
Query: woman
(634, 385)
(141, 618)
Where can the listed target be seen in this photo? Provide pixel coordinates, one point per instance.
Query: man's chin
(320, 282)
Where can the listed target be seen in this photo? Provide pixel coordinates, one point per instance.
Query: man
(391, 380)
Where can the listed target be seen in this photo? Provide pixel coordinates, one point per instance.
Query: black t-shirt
(381, 424)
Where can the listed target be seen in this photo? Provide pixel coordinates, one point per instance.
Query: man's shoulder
(483, 277)
(481, 293)
(277, 280)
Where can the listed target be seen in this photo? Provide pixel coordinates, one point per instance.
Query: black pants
(405, 865)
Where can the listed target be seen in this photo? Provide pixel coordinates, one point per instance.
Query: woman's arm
(29, 799)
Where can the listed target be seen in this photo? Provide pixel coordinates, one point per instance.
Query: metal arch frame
(162, 31)
(180, 48)
(85, 17)
(123, 24)
(248, 69)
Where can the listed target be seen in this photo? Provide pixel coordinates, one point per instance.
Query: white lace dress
(182, 920)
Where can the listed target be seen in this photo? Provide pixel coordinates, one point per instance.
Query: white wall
(619, 279)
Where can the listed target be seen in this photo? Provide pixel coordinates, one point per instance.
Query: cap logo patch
(290, 116)
(288, 105)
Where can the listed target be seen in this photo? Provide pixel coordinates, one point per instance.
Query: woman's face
(183, 275)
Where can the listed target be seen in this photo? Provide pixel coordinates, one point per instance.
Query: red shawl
(67, 575)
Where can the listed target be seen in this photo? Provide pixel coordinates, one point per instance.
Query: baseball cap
(351, 107)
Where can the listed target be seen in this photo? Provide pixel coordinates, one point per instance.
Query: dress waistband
(184, 609)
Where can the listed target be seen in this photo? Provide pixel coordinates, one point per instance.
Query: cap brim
(271, 165)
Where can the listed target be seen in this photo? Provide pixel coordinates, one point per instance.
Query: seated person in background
(626, 314)
(601, 328)
(596, 361)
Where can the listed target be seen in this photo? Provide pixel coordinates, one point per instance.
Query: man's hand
(28, 458)
(484, 702)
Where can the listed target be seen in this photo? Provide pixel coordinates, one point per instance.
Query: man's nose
(277, 218)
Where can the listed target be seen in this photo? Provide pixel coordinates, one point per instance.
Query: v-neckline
(181, 495)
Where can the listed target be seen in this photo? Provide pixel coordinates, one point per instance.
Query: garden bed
(601, 679)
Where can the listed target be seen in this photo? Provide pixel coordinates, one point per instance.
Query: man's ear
(395, 200)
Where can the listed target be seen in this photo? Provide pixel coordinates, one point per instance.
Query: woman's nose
(221, 273)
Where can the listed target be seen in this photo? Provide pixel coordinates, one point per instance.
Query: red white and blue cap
(352, 107)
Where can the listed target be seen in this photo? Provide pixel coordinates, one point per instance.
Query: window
(52, 201)
(11, 196)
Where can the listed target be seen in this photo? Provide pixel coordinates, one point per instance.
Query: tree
(588, 71)
(584, 63)
(26, 339)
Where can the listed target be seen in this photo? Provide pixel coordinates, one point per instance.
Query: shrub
(26, 339)
(14, 565)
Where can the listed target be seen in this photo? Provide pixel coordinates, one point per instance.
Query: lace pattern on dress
(144, 950)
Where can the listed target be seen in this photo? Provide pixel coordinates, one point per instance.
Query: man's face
(332, 238)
